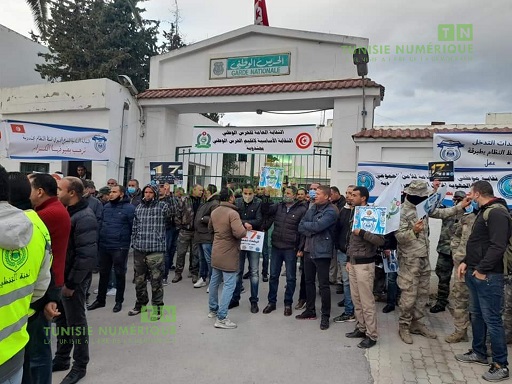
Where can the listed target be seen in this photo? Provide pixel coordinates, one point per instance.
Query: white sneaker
(224, 324)
(111, 292)
(212, 314)
(200, 283)
(95, 291)
(208, 289)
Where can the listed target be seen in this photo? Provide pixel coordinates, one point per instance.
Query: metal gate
(221, 168)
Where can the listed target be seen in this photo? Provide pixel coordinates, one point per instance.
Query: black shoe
(355, 334)
(366, 343)
(269, 308)
(117, 307)
(254, 308)
(95, 305)
(437, 308)
(265, 278)
(324, 323)
(59, 366)
(388, 308)
(306, 316)
(74, 376)
(339, 289)
(341, 303)
(247, 275)
(172, 268)
(233, 304)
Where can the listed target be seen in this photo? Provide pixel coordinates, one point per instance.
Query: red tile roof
(253, 89)
(420, 133)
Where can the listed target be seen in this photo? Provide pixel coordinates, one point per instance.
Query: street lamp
(361, 59)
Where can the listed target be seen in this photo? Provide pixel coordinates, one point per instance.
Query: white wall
(18, 59)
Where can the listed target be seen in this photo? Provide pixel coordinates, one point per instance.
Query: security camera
(126, 82)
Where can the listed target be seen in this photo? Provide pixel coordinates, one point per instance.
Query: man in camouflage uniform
(414, 265)
(459, 296)
(444, 265)
(148, 243)
(184, 219)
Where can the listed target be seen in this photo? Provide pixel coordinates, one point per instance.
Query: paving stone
(457, 374)
(421, 374)
(443, 368)
(426, 352)
(418, 363)
(422, 381)
(429, 361)
(434, 380)
(406, 357)
(446, 378)
(416, 354)
(433, 371)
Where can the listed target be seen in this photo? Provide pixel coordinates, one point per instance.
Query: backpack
(507, 256)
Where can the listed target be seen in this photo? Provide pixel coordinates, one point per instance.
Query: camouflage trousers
(444, 269)
(414, 282)
(507, 312)
(459, 302)
(152, 264)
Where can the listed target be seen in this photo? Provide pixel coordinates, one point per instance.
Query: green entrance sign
(250, 66)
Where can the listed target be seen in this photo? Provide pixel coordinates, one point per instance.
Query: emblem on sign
(100, 143)
(203, 140)
(218, 68)
(450, 150)
(369, 221)
(505, 186)
(365, 179)
(14, 259)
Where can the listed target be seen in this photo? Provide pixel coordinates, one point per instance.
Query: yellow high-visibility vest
(19, 271)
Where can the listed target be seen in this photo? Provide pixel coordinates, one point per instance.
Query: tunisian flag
(260, 13)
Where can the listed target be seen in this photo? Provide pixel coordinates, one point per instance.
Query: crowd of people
(57, 231)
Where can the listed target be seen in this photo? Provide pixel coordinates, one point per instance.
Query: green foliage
(90, 39)
(39, 10)
(229, 164)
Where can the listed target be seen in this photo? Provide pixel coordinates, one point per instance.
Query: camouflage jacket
(447, 231)
(461, 236)
(184, 218)
(412, 244)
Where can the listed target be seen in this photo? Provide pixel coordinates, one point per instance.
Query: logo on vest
(14, 259)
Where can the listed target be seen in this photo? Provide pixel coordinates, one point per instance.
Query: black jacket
(116, 224)
(286, 225)
(202, 234)
(82, 245)
(343, 229)
(266, 214)
(488, 240)
(250, 213)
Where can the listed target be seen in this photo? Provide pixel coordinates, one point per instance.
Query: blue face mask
(475, 205)
(312, 193)
(131, 189)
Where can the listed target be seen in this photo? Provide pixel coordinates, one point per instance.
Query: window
(29, 168)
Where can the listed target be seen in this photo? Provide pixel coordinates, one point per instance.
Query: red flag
(17, 128)
(260, 13)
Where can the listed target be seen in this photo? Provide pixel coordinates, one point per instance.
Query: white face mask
(248, 199)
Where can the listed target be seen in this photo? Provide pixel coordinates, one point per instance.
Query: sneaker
(324, 323)
(95, 291)
(200, 283)
(165, 282)
(74, 376)
(472, 357)
(224, 324)
(306, 316)
(265, 278)
(111, 292)
(496, 373)
(212, 314)
(344, 317)
(300, 305)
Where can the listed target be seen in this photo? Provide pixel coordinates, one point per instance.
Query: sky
(460, 90)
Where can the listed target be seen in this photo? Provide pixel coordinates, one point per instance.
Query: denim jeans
(227, 292)
(205, 260)
(254, 262)
(485, 307)
(392, 288)
(317, 268)
(118, 258)
(290, 261)
(342, 263)
(15, 378)
(171, 242)
(266, 255)
(37, 368)
(70, 326)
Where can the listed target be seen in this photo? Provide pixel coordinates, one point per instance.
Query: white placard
(287, 140)
(433, 201)
(253, 241)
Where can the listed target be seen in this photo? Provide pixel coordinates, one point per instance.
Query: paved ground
(263, 349)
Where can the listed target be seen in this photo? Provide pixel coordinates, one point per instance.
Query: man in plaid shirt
(148, 243)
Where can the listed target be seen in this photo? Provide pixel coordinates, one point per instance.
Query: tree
(90, 39)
